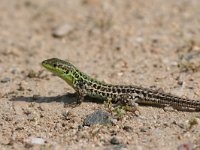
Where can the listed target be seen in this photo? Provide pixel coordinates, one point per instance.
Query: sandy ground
(150, 43)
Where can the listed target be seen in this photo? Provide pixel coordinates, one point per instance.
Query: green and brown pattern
(125, 94)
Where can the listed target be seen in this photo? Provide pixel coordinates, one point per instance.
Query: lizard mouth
(47, 66)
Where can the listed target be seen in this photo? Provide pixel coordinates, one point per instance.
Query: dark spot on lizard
(94, 85)
(103, 94)
(98, 87)
(119, 90)
(123, 90)
(76, 75)
(114, 90)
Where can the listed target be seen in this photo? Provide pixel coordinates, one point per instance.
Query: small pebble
(186, 146)
(65, 114)
(115, 141)
(180, 83)
(62, 30)
(14, 70)
(97, 117)
(139, 39)
(128, 128)
(143, 129)
(114, 121)
(31, 117)
(6, 79)
(139, 147)
(35, 140)
(32, 74)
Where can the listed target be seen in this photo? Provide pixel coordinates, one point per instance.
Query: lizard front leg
(80, 88)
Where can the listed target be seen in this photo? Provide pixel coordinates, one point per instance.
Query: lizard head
(61, 68)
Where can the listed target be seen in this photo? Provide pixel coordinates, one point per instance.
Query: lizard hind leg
(128, 102)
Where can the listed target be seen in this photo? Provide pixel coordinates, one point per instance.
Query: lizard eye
(54, 65)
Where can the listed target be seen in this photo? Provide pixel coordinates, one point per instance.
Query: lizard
(130, 95)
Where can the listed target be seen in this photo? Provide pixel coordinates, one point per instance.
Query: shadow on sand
(69, 98)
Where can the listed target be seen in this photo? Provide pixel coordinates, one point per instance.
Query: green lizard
(124, 94)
